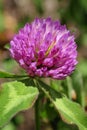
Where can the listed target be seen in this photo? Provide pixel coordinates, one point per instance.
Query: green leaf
(15, 97)
(9, 126)
(70, 111)
(4, 74)
(78, 85)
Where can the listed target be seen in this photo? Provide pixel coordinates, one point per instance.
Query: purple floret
(45, 48)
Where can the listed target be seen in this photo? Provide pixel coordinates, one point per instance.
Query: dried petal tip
(45, 48)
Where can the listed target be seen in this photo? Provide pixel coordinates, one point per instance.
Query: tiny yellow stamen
(49, 48)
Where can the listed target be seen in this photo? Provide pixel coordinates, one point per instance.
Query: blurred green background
(13, 15)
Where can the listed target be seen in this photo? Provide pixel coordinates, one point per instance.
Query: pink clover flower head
(45, 48)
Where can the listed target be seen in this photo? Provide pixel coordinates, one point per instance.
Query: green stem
(37, 114)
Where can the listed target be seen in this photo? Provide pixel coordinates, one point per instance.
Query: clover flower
(45, 48)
